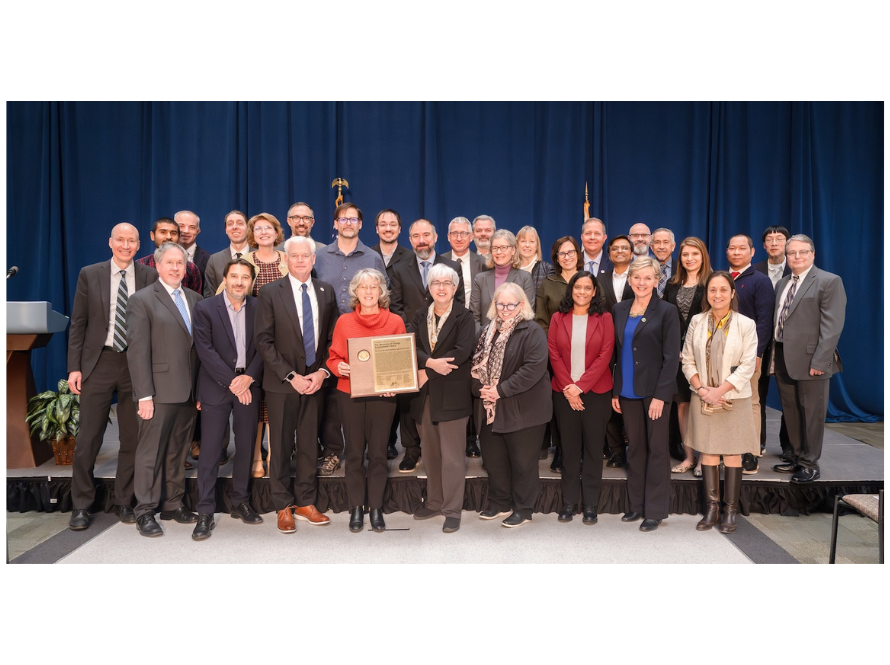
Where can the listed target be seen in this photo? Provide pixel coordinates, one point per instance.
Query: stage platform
(847, 466)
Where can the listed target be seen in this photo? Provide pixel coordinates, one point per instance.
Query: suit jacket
(216, 265)
(656, 348)
(450, 394)
(399, 254)
(477, 263)
(756, 298)
(408, 292)
(215, 344)
(91, 313)
(279, 338)
(202, 256)
(605, 262)
(739, 354)
(161, 354)
(763, 267)
(598, 346)
(604, 282)
(813, 325)
(483, 291)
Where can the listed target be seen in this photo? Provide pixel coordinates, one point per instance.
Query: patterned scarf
(714, 356)
(488, 358)
(432, 329)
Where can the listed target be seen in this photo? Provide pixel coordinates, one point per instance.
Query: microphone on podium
(12, 271)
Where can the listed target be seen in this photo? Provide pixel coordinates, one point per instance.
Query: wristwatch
(290, 377)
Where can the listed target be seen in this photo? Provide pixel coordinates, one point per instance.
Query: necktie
(734, 273)
(180, 305)
(426, 269)
(120, 315)
(662, 282)
(237, 255)
(308, 328)
(780, 328)
(591, 269)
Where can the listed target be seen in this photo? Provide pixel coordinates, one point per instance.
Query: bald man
(97, 368)
(640, 236)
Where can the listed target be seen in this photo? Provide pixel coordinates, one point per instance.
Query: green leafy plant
(54, 415)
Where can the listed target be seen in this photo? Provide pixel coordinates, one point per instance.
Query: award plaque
(382, 364)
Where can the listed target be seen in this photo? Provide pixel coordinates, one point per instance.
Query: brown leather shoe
(286, 521)
(310, 514)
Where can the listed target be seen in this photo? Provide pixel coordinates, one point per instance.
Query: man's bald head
(124, 243)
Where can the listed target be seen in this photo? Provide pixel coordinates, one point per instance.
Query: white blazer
(740, 352)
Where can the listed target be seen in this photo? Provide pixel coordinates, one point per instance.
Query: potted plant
(55, 417)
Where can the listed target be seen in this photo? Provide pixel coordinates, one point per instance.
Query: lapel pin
(644, 319)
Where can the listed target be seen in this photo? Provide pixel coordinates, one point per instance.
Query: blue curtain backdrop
(709, 169)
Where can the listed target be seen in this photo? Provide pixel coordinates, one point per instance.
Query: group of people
(586, 354)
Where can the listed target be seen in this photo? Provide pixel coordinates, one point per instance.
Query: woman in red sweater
(366, 420)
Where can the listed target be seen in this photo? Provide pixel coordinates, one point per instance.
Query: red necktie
(735, 273)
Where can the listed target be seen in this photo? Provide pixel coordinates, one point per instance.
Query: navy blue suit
(757, 298)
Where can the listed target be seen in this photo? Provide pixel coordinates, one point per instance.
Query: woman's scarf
(433, 329)
(488, 358)
(714, 348)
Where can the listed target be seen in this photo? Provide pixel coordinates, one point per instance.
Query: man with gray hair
(460, 233)
(164, 369)
(483, 228)
(189, 228)
(663, 244)
(809, 318)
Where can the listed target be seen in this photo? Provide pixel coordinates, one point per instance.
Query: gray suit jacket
(813, 325)
(483, 290)
(161, 353)
(91, 313)
(216, 265)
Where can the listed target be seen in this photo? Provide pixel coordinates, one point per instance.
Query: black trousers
(804, 404)
(511, 460)
(615, 434)
(293, 420)
(330, 422)
(763, 390)
(110, 375)
(582, 430)
(366, 422)
(215, 425)
(408, 426)
(648, 460)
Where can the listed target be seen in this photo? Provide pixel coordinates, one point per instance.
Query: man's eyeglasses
(509, 306)
(460, 235)
(298, 218)
(348, 220)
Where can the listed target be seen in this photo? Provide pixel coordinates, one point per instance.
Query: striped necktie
(120, 315)
(789, 298)
(663, 280)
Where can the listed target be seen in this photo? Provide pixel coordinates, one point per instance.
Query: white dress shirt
(190, 251)
(464, 262)
(181, 288)
(597, 262)
(618, 283)
(296, 286)
(800, 280)
(115, 285)
(774, 272)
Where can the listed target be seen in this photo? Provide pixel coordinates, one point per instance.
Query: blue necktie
(180, 305)
(591, 269)
(426, 269)
(308, 328)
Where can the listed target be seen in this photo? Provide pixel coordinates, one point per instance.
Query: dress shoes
(788, 458)
(492, 514)
(246, 514)
(180, 515)
(515, 519)
(195, 450)
(189, 466)
(310, 514)
(451, 525)
(567, 513)
(407, 465)
(632, 516)
(589, 515)
(204, 527)
(424, 513)
(649, 525)
(805, 475)
(472, 448)
(356, 519)
(148, 527)
(749, 464)
(286, 522)
(615, 462)
(391, 452)
(790, 467)
(80, 519)
(126, 515)
(376, 520)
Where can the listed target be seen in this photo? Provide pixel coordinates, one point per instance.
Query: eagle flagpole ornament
(586, 205)
(339, 183)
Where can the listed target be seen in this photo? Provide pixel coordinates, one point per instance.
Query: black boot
(732, 484)
(567, 513)
(376, 518)
(356, 519)
(711, 477)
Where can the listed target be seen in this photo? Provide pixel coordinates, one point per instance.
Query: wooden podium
(28, 326)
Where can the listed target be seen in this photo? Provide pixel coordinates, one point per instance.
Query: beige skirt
(722, 432)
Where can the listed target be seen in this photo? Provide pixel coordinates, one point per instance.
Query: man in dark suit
(97, 368)
(409, 294)
(189, 228)
(166, 230)
(593, 237)
(294, 326)
(775, 267)
(236, 230)
(460, 234)
(388, 226)
(164, 368)
(663, 244)
(228, 385)
(810, 309)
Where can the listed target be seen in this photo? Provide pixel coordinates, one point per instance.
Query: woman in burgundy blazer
(582, 390)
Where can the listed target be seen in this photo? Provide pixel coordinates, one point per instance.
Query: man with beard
(483, 228)
(640, 236)
(300, 219)
(389, 226)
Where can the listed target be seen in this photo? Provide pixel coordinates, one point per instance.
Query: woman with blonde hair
(530, 257)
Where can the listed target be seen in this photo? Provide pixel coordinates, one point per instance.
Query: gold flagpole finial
(339, 183)
(586, 205)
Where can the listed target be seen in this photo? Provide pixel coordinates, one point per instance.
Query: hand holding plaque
(384, 364)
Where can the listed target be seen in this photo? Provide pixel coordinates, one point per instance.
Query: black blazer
(524, 387)
(449, 395)
(400, 254)
(656, 348)
(202, 256)
(408, 292)
(670, 295)
(763, 267)
(215, 344)
(278, 337)
(604, 283)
